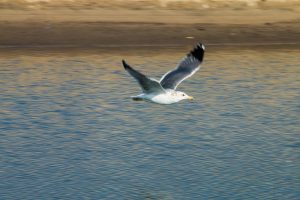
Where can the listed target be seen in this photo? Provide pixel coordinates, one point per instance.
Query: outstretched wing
(148, 85)
(186, 68)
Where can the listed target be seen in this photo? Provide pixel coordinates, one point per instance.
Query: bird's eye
(183, 95)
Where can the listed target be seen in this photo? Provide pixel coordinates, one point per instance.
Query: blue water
(68, 129)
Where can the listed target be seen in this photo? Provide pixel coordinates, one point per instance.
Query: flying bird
(164, 91)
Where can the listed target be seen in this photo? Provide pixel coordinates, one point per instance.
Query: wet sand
(129, 27)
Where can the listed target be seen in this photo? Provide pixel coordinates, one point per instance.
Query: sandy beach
(52, 24)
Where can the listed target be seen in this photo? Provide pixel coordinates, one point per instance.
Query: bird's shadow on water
(148, 195)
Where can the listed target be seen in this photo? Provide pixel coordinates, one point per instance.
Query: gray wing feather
(148, 85)
(186, 68)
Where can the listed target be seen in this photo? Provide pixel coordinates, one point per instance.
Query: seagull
(164, 91)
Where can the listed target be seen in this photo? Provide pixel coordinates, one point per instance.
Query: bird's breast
(163, 99)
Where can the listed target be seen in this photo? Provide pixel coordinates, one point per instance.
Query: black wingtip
(126, 66)
(198, 52)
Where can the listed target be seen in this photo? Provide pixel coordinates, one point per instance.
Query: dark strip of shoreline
(124, 34)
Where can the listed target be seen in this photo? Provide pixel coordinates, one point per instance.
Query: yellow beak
(190, 98)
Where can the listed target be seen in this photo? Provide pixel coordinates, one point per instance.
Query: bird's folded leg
(136, 98)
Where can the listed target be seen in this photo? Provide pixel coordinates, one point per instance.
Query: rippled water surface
(69, 131)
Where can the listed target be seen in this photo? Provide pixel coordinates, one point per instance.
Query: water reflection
(69, 129)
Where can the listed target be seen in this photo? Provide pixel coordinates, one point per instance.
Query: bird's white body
(169, 97)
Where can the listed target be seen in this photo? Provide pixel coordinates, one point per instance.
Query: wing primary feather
(198, 52)
(186, 68)
(148, 85)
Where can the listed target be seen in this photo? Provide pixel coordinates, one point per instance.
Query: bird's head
(182, 96)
